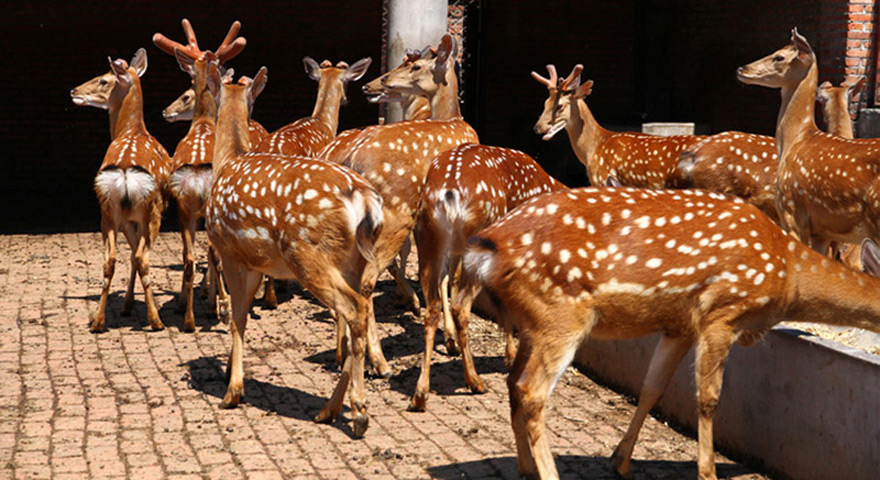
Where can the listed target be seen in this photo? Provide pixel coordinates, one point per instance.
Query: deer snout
(537, 128)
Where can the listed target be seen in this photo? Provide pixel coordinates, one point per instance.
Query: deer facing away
(132, 180)
(619, 263)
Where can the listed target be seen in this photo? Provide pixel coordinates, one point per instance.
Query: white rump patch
(188, 181)
(131, 186)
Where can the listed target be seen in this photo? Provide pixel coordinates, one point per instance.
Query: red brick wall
(860, 55)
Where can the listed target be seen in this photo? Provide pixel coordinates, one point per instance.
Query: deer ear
(312, 68)
(120, 69)
(856, 90)
(184, 61)
(139, 62)
(584, 90)
(870, 257)
(259, 83)
(358, 70)
(214, 81)
(805, 51)
(448, 48)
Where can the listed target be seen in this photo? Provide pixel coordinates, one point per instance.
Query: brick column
(860, 54)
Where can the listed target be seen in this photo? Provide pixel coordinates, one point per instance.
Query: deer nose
(740, 70)
(72, 92)
(537, 128)
(365, 88)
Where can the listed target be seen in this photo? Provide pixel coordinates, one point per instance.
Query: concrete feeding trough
(794, 404)
(668, 129)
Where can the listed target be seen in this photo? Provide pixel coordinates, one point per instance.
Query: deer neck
(328, 101)
(127, 113)
(416, 107)
(444, 102)
(837, 117)
(584, 131)
(205, 108)
(232, 136)
(826, 291)
(797, 113)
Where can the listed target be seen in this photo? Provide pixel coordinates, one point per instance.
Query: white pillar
(412, 24)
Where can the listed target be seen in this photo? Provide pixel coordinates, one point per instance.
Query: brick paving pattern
(141, 404)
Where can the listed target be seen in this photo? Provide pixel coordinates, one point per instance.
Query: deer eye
(186, 98)
(416, 68)
(778, 58)
(102, 81)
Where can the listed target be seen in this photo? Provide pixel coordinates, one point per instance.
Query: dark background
(651, 60)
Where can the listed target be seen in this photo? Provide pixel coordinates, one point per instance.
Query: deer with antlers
(308, 136)
(634, 159)
(132, 180)
(291, 217)
(745, 164)
(704, 269)
(827, 185)
(181, 110)
(395, 158)
(190, 181)
(467, 189)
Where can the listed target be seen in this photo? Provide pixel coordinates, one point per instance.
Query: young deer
(181, 110)
(745, 164)
(396, 157)
(827, 185)
(634, 159)
(190, 181)
(308, 136)
(291, 217)
(467, 189)
(131, 182)
(699, 267)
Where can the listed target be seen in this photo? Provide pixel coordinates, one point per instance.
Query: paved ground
(141, 404)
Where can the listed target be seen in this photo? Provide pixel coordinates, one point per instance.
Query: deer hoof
(360, 425)
(418, 402)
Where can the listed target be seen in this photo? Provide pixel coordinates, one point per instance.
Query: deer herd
(709, 240)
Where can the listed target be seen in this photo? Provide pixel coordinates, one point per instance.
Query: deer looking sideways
(634, 159)
(395, 158)
(290, 217)
(467, 189)
(181, 110)
(745, 164)
(131, 182)
(190, 181)
(828, 187)
(701, 268)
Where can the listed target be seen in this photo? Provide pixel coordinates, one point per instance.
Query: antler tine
(548, 82)
(574, 75)
(230, 48)
(167, 45)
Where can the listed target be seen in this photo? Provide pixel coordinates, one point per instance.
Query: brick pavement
(141, 404)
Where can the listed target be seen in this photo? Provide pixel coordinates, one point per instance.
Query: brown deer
(190, 181)
(132, 181)
(703, 269)
(290, 217)
(395, 158)
(308, 136)
(467, 189)
(634, 159)
(827, 185)
(745, 164)
(181, 110)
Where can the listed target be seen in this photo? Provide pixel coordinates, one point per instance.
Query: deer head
(421, 74)
(563, 95)
(103, 90)
(329, 76)
(786, 66)
(827, 92)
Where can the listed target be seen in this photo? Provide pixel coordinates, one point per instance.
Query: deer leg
(243, 285)
(185, 299)
(341, 341)
(220, 303)
(398, 272)
(449, 333)
(270, 300)
(461, 316)
(374, 348)
(131, 236)
(713, 347)
(142, 260)
(108, 233)
(668, 354)
(430, 269)
(509, 348)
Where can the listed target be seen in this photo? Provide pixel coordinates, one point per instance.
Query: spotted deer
(181, 110)
(827, 185)
(745, 164)
(701, 268)
(308, 136)
(467, 189)
(395, 158)
(190, 181)
(290, 217)
(634, 159)
(132, 181)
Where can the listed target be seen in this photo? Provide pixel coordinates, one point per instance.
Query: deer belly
(639, 311)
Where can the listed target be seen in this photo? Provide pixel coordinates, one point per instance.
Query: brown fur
(618, 263)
